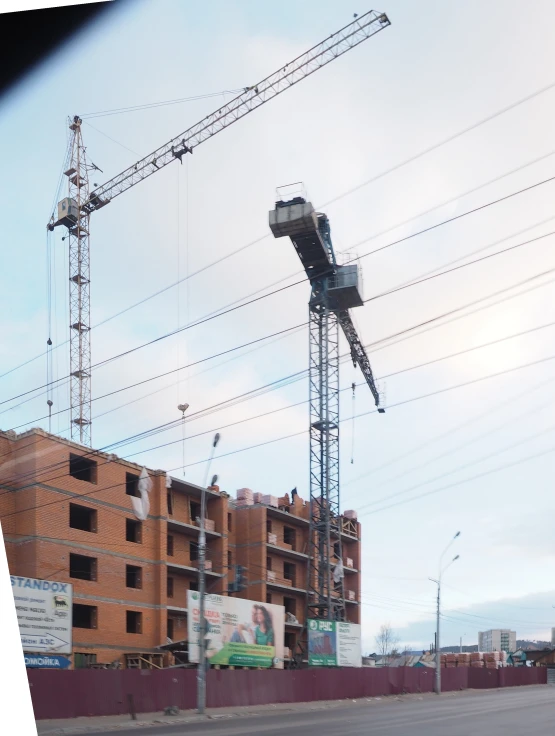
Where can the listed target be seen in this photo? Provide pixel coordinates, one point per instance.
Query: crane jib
(250, 99)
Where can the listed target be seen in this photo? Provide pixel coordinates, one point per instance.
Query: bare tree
(386, 642)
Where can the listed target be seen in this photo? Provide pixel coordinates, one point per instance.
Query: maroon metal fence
(70, 694)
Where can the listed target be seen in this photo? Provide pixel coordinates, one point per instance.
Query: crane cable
(353, 386)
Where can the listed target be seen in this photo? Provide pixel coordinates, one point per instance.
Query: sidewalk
(67, 727)
(77, 726)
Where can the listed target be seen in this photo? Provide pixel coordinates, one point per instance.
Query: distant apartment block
(497, 640)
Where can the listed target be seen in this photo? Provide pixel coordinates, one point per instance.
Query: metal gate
(551, 676)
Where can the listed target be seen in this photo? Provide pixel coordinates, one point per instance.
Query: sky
(363, 136)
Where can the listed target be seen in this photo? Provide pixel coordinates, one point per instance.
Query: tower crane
(335, 289)
(74, 211)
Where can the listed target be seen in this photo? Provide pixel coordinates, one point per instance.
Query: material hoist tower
(74, 211)
(334, 290)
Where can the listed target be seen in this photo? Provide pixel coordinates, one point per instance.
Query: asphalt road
(511, 712)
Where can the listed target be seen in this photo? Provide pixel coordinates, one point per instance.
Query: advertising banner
(333, 644)
(349, 651)
(44, 614)
(241, 633)
(322, 643)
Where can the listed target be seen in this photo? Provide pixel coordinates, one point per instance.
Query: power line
(441, 143)
(300, 374)
(497, 469)
(471, 441)
(289, 436)
(429, 324)
(170, 372)
(377, 296)
(223, 258)
(457, 268)
(481, 459)
(452, 219)
(390, 406)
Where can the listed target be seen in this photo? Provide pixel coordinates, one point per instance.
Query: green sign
(322, 643)
(333, 644)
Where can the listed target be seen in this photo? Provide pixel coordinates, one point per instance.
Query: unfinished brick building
(67, 515)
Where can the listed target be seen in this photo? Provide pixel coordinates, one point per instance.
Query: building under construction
(67, 515)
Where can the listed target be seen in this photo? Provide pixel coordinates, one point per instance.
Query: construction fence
(75, 693)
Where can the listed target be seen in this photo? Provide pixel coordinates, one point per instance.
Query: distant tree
(386, 642)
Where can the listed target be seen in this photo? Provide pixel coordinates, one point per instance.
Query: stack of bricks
(491, 660)
(463, 659)
(245, 497)
(476, 659)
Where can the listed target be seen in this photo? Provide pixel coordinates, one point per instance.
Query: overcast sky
(438, 70)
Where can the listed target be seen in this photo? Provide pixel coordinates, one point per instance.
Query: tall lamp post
(441, 569)
(201, 671)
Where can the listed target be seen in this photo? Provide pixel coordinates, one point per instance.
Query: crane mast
(335, 289)
(81, 204)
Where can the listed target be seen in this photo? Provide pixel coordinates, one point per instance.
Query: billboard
(43, 610)
(241, 633)
(333, 644)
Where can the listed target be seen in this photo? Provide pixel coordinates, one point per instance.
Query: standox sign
(44, 609)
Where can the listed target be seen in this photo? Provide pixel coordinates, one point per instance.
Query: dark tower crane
(74, 211)
(334, 290)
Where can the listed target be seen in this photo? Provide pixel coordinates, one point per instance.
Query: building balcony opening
(82, 567)
(84, 617)
(82, 468)
(194, 509)
(133, 576)
(289, 572)
(82, 517)
(290, 605)
(132, 485)
(133, 531)
(289, 536)
(134, 620)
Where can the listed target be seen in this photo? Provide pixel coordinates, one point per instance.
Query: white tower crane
(74, 211)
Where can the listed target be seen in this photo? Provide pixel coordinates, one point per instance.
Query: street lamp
(201, 670)
(183, 408)
(441, 570)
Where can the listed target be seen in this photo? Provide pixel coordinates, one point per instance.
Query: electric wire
(256, 299)
(304, 432)
(248, 245)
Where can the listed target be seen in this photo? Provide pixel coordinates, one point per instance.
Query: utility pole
(438, 647)
(438, 612)
(201, 670)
